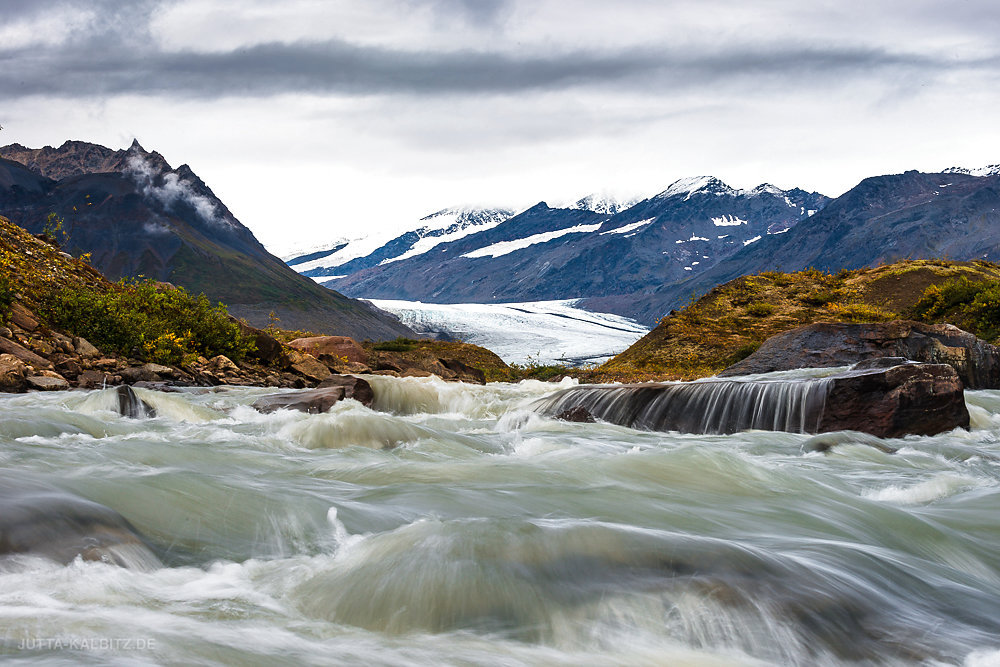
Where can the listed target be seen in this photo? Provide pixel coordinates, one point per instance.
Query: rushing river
(450, 525)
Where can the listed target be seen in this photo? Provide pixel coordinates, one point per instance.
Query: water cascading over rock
(921, 399)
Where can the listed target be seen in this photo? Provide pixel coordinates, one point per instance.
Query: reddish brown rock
(69, 367)
(12, 374)
(91, 379)
(23, 317)
(24, 354)
(47, 383)
(308, 366)
(85, 349)
(912, 399)
(827, 344)
(340, 347)
(463, 372)
(354, 387)
(314, 401)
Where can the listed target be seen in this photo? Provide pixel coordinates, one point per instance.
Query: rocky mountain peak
(686, 187)
(604, 204)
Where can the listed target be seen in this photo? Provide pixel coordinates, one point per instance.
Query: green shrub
(398, 345)
(6, 298)
(760, 309)
(818, 298)
(144, 320)
(940, 300)
(972, 305)
(861, 312)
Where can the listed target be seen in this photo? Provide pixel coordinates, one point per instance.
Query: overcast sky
(315, 119)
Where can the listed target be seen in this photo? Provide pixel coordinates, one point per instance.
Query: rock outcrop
(920, 399)
(341, 348)
(825, 345)
(314, 401)
(911, 399)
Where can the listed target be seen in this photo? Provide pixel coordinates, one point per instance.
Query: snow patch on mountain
(625, 229)
(543, 332)
(728, 221)
(454, 224)
(353, 249)
(446, 225)
(506, 247)
(988, 170)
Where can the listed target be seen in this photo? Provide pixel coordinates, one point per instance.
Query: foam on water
(936, 488)
(450, 524)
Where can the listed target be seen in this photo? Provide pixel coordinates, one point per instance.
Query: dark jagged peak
(77, 158)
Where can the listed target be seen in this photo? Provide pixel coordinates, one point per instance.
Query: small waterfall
(713, 407)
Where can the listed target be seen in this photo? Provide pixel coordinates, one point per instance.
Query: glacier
(539, 332)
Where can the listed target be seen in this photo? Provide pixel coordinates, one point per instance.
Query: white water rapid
(451, 524)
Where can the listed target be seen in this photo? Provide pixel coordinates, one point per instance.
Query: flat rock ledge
(908, 399)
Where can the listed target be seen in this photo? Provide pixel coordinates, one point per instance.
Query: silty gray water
(452, 525)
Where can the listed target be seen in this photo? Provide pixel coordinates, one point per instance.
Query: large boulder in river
(920, 399)
(313, 401)
(910, 399)
(827, 344)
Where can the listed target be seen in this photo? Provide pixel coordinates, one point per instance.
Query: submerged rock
(827, 441)
(578, 414)
(921, 399)
(828, 344)
(314, 401)
(62, 527)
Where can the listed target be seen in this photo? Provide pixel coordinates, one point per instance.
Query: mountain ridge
(136, 215)
(546, 253)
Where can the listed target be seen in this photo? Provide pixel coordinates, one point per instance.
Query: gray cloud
(339, 67)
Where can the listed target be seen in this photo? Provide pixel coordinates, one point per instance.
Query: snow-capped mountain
(604, 204)
(954, 214)
(346, 256)
(549, 253)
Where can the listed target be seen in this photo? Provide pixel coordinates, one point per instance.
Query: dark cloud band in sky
(339, 67)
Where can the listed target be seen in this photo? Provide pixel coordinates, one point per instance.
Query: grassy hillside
(732, 320)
